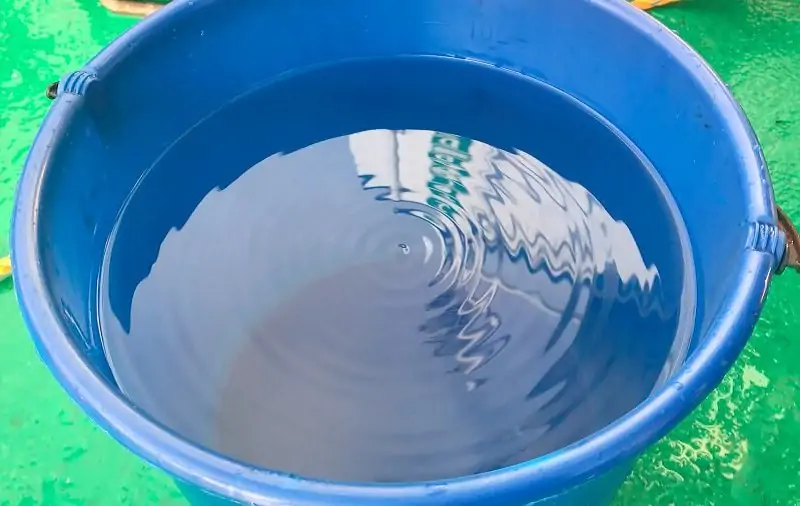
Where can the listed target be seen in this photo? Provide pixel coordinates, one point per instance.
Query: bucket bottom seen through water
(396, 270)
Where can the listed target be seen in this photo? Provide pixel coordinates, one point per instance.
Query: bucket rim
(545, 476)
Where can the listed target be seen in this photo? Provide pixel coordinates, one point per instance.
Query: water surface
(438, 270)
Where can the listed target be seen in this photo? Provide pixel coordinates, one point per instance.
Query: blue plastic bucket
(113, 118)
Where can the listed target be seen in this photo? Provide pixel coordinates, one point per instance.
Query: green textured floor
(742, 447)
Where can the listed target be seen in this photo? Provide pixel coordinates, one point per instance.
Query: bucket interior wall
(149, 94)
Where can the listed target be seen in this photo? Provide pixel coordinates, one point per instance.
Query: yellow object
(649, 4)
(131, 8)
(5, 268)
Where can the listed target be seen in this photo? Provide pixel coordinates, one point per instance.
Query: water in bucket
(396, 270)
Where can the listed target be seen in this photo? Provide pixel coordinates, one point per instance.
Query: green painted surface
(742, 447)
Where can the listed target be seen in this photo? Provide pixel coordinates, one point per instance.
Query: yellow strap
(131, 8)
(649, 4)
(5, 268)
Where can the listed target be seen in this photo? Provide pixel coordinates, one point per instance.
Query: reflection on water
(461, 326)
(392, 305)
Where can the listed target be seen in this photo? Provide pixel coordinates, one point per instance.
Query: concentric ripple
(393, 305)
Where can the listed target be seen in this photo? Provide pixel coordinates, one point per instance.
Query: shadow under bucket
(432, 253)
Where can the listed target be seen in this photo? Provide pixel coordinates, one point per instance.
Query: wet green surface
(742, 447)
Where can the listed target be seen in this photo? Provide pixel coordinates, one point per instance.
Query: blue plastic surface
(115, 116)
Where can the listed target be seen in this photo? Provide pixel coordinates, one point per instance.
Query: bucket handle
(791, 255)
(52, 90)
